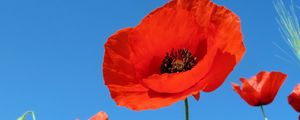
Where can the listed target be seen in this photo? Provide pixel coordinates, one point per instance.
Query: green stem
(33, 116)
(262, 109)
(186, 104)
(23, 117)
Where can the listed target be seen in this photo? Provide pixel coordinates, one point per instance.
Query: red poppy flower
(176, 51)
(294, 98)
(99, 116)
(260, 89)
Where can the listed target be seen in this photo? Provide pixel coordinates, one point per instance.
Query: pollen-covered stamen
(178, 61)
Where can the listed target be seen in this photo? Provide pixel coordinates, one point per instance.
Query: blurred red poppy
(294, 98)
(260, 89)
(176, 51)
(100, 116)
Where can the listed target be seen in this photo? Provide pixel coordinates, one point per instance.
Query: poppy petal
(160, 32)
(274, 82)
(218, 71)
(178, 82)
(202, 9)
(117, 69)
(248, 93)
(197, 96)
(100, 116)
(224, 31)
(133, 98)
(223, 25)
(294, 98)
(228, 37)
(236, 88)
(258, 81)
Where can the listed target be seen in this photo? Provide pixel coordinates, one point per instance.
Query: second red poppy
(260, 89)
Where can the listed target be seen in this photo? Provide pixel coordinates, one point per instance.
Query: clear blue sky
(51, 55)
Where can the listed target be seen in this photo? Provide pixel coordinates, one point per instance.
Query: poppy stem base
(262, 109)
(186, 104)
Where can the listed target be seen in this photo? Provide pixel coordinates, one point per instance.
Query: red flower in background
(260, 89)
(176, 51)
(294, 98)
(99, 116)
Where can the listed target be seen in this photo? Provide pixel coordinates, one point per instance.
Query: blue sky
(52, 50)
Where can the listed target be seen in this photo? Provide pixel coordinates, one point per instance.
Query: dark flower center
(178, 61)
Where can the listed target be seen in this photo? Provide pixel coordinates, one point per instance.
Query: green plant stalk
(23, 117)
(264, 114)
(186, 104)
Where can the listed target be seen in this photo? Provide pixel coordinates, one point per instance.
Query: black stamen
(178, 61)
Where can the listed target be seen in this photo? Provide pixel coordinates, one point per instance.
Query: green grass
(289, 26)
